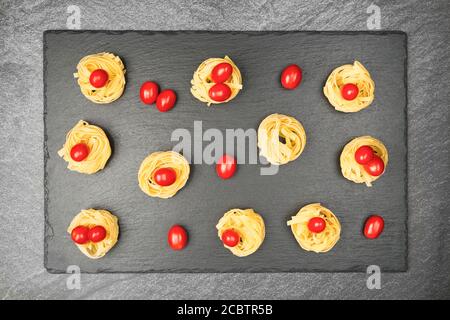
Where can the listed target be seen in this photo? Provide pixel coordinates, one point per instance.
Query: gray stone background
(22, 274)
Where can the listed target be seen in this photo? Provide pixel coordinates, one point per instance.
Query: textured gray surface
(136, 130)
(22, 274)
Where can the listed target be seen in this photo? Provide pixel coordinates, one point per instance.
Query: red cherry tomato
(316, 224)
(364, 154)
(219, 92)
(349, 91)
(79, 152)
(165, 176)
(98, 78)
(230, 238)
(166, 100)
(221, 72)
(97, 234)
(177, 237)
(373, 227)
(375, 167)
(291, 76)
(226, 166)
(80, 234)
(149, 92)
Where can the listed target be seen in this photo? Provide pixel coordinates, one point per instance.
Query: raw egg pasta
(352, 170)
(201, 81)
(90, 218)
(97, 142)
(158, 160)
(281, 138)
(355, 74)
(317, 242)
(250, 227)
(115, 85)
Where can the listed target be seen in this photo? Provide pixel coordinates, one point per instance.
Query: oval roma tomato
(226, 166)
(149, 92)
(97, 233)
(80, 234)
(165, 176)
(177, 237)
(219, 92)
(316, 224)
(364, 154)
(373, 227)
(230, 238)
(166, 100)
(221, 72)
(79, 152)
(375, 166)
(349, 91)
(291, 76)
(98, 78)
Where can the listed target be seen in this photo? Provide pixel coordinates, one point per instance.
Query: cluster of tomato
(83, 234)
(372, 163)
(220, 73)
(165, 100)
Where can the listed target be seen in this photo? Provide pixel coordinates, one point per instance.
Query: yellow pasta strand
(316, 242)
(113, 65)
(351, 169)
(355, 74)
(248, 224)
(96, 140)
(90, 218)
(201, 81)
(278, 127)
(158, 160)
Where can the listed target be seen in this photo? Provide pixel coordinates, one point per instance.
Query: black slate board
(135, 130)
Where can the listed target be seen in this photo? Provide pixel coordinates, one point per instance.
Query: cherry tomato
(316, 224)
(375, 167)
(364, 154)
(221, 72)
(373, 227)
(349, 91)
(219, 92)
(165, 176)
(230, 238)
(291, 76)
(97, 233)
(80, 234)
(79, 152)
(177, 237)
(226, 166)
(98, 78)
(166, 100)
(149, 92)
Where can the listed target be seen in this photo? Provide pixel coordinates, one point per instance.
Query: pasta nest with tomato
(115, 85)
(97, 142)
(356, 74)
(354, 171)
(281, 138)
(91, 218)
(156, 161)
(320, 242)
(201, 80)
(250, 227)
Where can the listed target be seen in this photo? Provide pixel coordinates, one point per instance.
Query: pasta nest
(158, 160)
(343, 75)
(90, 218)
(113, 65)
(96, 140)
(201, 81)
(354, 171)
(310, 241)
(281, 138)
(250, 227)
